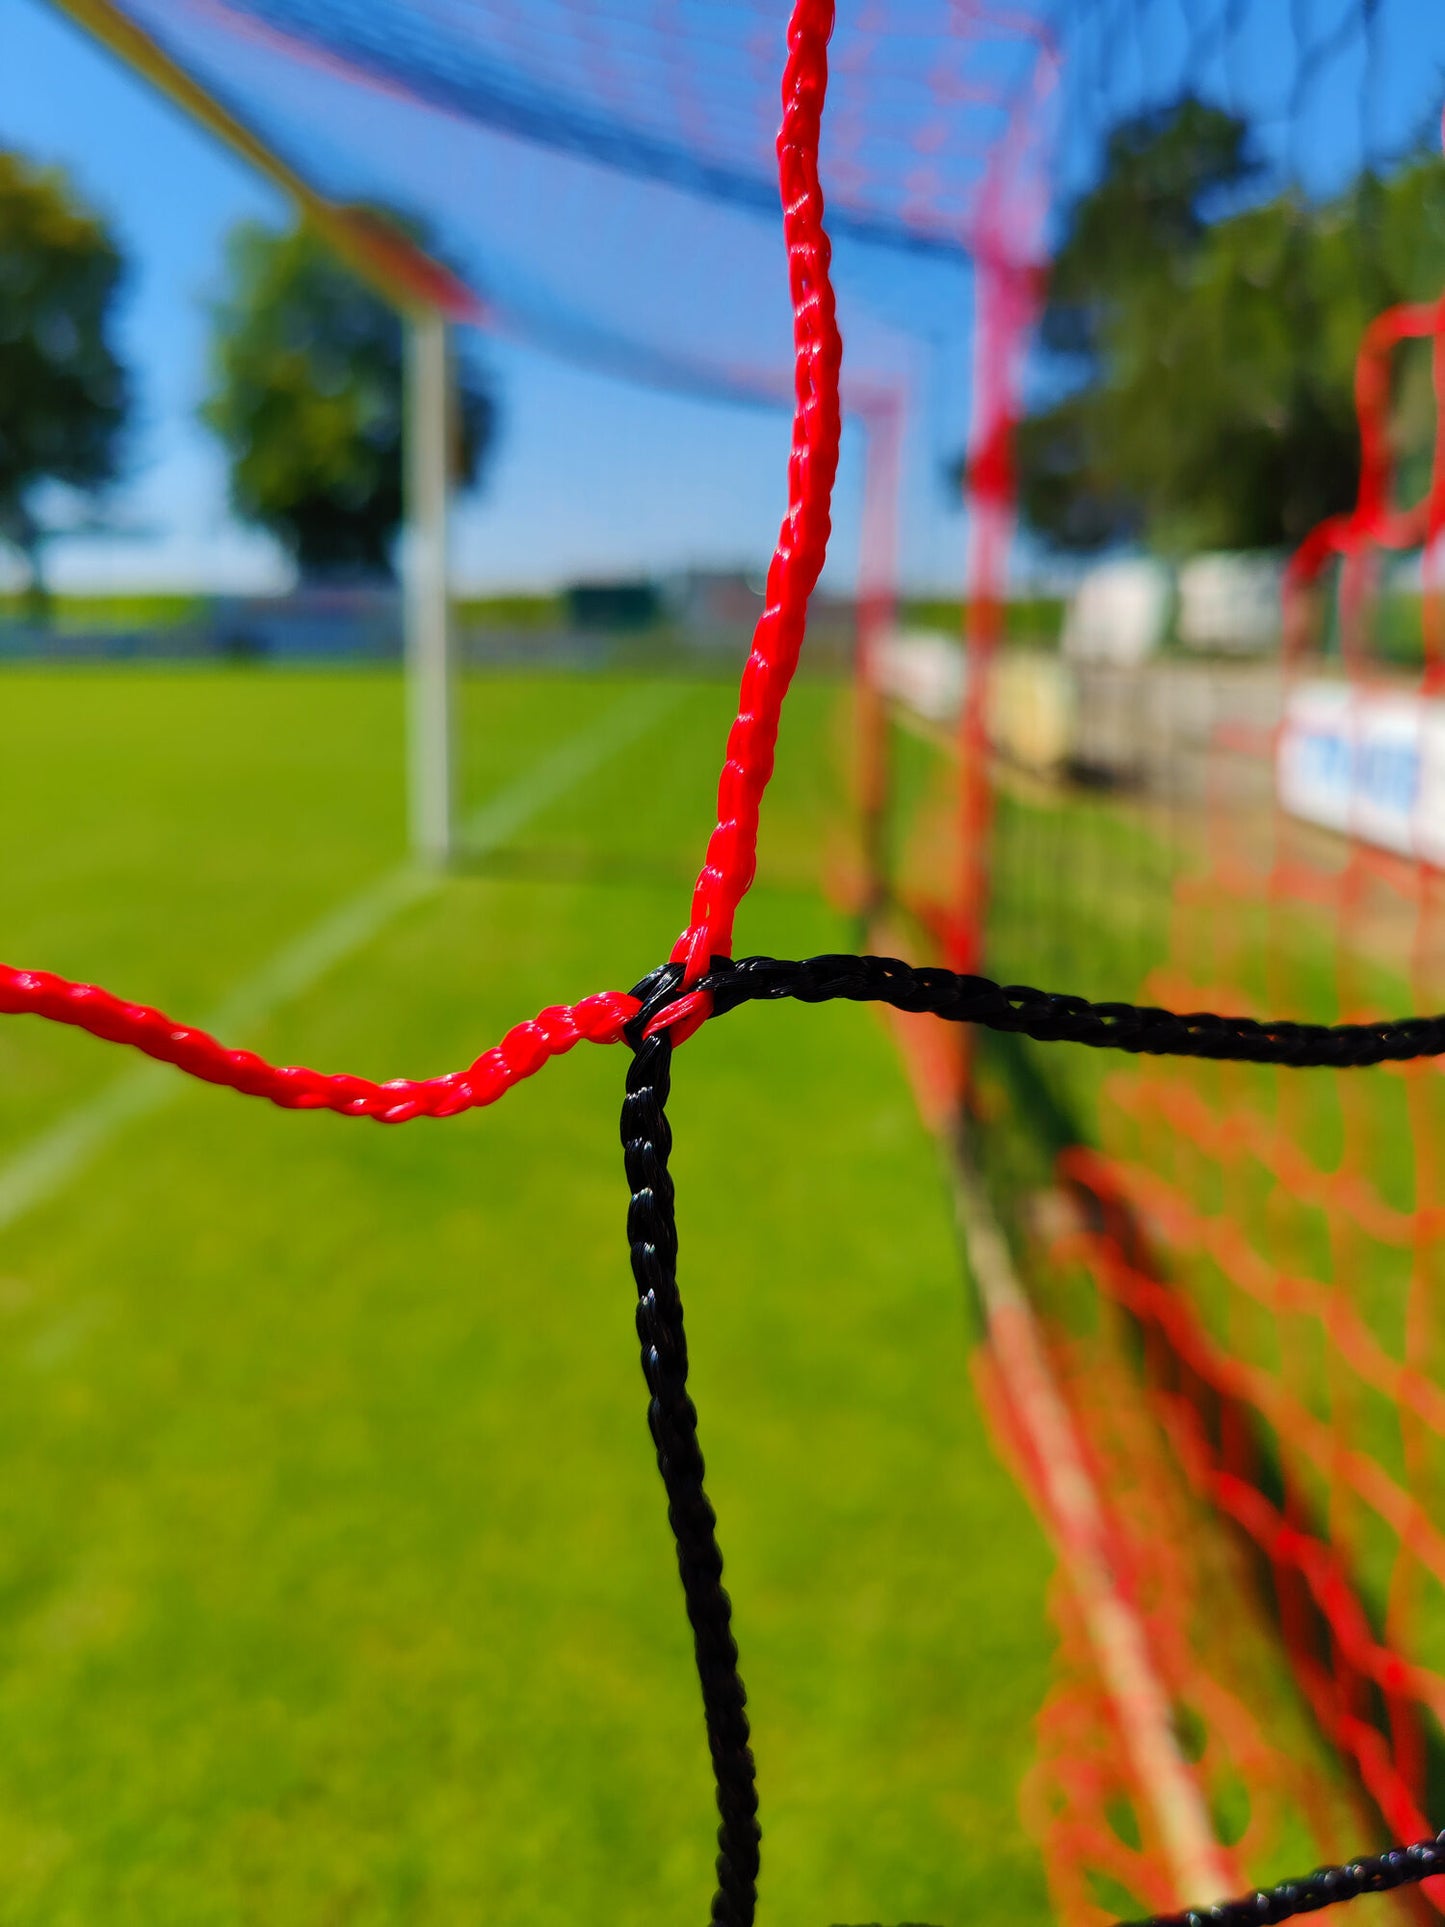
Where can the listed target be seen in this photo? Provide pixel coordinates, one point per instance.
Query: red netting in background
(1215, 1655)
(643, 134)
(1263, 1251)
(1279, 1242)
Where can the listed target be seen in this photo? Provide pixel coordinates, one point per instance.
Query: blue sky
(591, 476)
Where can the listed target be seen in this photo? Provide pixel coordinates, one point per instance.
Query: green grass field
(335, 1584)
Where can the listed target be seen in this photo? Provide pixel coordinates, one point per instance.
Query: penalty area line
(1076, 1517)
(50, 1161)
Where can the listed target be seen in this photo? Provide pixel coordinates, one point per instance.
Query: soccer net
(1200, 770)
(1189, 251)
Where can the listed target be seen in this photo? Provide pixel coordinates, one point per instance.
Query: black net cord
(652, 1235)
(1055, 1017)
(1327, 1887)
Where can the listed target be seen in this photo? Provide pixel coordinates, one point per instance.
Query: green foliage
(307, 398)
(64, 394)
(1213, 351)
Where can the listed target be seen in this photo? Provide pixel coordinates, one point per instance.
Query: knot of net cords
(655, 995)
(672, 1417)
(670, 1006)
(1377, 1874)
(1052, 1017)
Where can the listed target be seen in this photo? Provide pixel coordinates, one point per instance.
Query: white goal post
(426, 593)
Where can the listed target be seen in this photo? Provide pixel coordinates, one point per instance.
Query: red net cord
(732, 851)
(877, 608)
(1284, 1280)
(731, 858)
(521, 1053)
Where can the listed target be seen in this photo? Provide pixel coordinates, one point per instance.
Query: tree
(1203, 351)
(64, 395)
(307, 398)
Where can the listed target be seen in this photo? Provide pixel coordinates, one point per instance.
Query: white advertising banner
(1118, 613)
(1231, 603)
(1369, 763)
(923, 670)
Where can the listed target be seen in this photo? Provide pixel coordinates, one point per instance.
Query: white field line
(50, 1161)
(1199, 1869)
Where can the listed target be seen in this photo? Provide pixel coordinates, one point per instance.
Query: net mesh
(1236, 1269)
(645, 134)
(1257, 1253)
(1228, 1324)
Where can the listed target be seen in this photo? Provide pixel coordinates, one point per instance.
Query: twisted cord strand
(714, 984)
(732, 851)
(1048, 1016)
(521, 1053)
(1375, 1874)
(672, 1418)
(647, 1019)
(1055, 1017)
(652, 1236)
